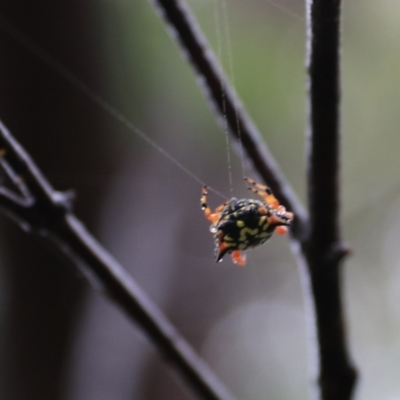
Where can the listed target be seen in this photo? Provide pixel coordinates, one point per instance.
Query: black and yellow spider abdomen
(244, 224)
(239, 225)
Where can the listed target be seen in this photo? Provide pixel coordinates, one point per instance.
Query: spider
(243, 224)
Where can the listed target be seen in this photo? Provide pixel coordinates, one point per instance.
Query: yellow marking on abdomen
(265, 227)
(251, 232)
(264, 235)
(262, 220)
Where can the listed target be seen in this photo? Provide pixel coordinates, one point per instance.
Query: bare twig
(324, 249)
(43, 210)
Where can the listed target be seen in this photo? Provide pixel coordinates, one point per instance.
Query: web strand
(231, 74)
(232, 78)
(218, 35)
(56, 66)
(286, 10)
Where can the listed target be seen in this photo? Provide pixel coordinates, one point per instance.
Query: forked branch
(40, 209)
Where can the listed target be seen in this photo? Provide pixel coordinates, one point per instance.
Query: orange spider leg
(289, 215)
(238, 257)
(211, 216)
(221, 207)
(264, 192)
(281, 230)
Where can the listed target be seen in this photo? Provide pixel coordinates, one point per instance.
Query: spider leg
(258, 185)
(281, 230)
(211, 216)
(238, 257)
(221, 207)
(264, 192)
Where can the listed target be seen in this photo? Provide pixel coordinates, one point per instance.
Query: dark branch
(324, 248)
(49, 213)
(20, 168)
(14, 205)
(212, 81)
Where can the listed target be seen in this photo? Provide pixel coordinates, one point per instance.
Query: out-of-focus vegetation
(248, 323)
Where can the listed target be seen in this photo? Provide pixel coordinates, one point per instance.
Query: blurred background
(59, 337)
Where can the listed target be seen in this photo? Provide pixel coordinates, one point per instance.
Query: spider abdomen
(239, 225)
(243, 224)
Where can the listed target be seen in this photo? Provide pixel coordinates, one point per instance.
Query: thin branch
(48, 213)
(21, 169)
(212, 80)
(13, 205)
(324, 249)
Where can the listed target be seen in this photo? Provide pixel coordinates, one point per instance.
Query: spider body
(246, 223)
